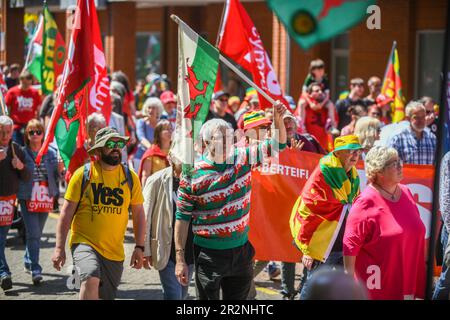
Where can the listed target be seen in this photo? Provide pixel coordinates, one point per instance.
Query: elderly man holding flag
(318, 217)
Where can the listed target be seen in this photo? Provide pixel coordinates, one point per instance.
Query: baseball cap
(168, 96)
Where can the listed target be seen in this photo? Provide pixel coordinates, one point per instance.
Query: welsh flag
(198, 62)
(46, 53)
(392, 86)
(67, 123)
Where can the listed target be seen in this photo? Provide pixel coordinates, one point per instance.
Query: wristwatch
(139, 247)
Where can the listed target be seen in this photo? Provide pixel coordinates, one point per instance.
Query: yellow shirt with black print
(102, 215)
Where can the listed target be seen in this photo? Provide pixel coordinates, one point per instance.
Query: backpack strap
(127, 171)
(84, 182)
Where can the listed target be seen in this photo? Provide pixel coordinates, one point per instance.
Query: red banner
(276, 187)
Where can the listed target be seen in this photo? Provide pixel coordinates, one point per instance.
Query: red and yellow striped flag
(392, 86)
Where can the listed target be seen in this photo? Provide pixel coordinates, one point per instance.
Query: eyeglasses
(115, 144)
(35, 132)
(223, 100)
(398, 164)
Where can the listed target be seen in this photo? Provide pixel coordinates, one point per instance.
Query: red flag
(99, 97)
(78, 71)
(240, 41)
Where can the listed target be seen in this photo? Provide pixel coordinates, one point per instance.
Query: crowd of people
(196, 222)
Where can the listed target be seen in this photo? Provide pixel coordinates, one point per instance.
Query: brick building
(139, 36)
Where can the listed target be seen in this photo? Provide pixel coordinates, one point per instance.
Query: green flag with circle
(310, 22)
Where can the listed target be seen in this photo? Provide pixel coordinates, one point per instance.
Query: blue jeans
(334, 259)
(288, 278)
(34, 224)
(4, 269)
(172, 289)
(442, 289)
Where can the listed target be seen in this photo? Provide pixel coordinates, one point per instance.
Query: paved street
(136, 284)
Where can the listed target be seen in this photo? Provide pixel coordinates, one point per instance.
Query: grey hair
(211, 126)
(366, 129)
(413, 106)
(96, 118)
(376, 160)
(6, 121)
(152, 102)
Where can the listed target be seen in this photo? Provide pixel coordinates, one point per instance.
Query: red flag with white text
(99, 97)
(240, 41)
(67, 123)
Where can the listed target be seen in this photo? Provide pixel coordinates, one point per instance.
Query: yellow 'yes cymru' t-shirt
(102, 216)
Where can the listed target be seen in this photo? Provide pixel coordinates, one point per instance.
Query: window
(429, 59)
(148, 53)
(339, 65)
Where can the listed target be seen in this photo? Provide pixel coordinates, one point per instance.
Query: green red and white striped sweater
(217, 198)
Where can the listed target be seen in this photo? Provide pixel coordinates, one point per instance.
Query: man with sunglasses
(219, 107)
(96, 211)
(430, 118)
(355, 97)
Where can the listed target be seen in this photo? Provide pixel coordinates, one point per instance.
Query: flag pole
(394, 45)
(220, 31)
(443, 111)
(223, 59)
(3, 105)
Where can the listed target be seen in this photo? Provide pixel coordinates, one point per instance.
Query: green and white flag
(46, 53)
(198, 62)
(33, 62)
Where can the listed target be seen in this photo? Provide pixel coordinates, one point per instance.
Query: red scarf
(153, 151)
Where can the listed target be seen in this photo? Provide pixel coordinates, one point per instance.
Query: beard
(113, 159)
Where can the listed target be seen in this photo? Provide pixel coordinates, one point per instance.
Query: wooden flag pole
(2, 102)
(191, 33)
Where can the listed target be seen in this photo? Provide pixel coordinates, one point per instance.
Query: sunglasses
(223, 100)
(115, 144)
(35, 132)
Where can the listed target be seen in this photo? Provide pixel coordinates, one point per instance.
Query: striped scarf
(345, 188)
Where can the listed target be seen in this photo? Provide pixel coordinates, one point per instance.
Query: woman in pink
(384, 240)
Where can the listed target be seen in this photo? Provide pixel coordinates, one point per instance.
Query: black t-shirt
(188, 249)
(228, 118)
(342, 110)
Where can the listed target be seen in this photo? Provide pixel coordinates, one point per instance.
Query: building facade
(140, 37)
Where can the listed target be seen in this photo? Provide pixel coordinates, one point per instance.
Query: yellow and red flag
(392, 86)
